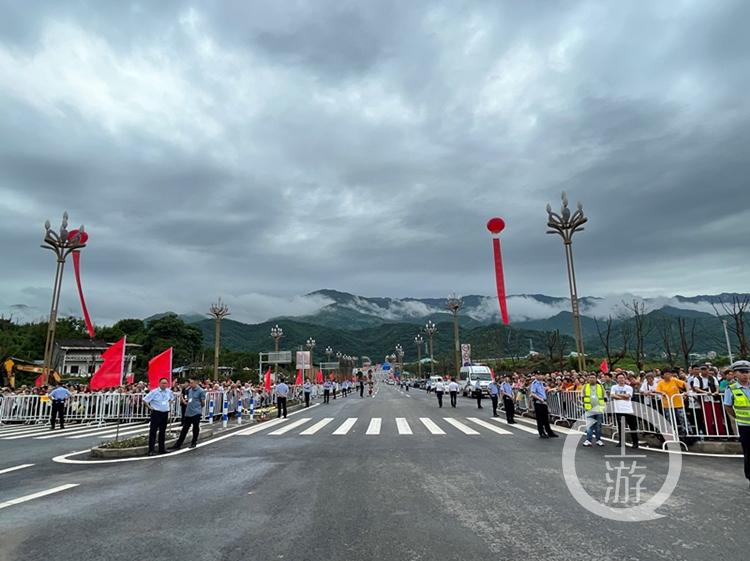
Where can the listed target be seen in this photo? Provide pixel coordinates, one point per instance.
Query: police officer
(538, 394)
(158, 400)
(282, 391)
(439, 391)
(59, 397)
(478, 394)
(494, 392)
(737, 405)
(361, 381)
(508, 400)
(193, 399)
(327, 391)
(307, 391)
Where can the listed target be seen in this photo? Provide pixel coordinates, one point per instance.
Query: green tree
(171, 331)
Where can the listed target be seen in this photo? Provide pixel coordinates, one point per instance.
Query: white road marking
(516, 426)
(374, 426)
(488, 426)
(47, 431)
(431, 426)
(33, 496)
(460, 426)
(346, 426)
(14, 468)
(316, 427)
(402, 426)
(124, 431)
(555, 428)
(21, 429)
(291, 426)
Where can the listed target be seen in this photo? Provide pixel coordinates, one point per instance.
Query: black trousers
(326, 396)
(187, 422)
(280, 406)
(510, 410)
(632, 425)
(493, 398)
(158, 425)
(440, 398)
(58, 411)
(745, 441)
(361, 390)
(478, 396)
(542, 419)
(334, 393)
(454, 398)
(307, 399)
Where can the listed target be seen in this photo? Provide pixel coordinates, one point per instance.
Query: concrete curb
(109, 453)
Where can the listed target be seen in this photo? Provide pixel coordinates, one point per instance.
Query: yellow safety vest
(587, 397)
(741, 405)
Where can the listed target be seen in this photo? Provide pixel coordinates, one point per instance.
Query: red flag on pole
(39, 380)
(267, 381)
(319, 377)
(129, 378)
(160, 367)
(604, 367)
(298, 381)
(109, 374)
(495, 226)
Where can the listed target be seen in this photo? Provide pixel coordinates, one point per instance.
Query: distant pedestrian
(282, 391)
(158, 400)
(453, 391)
(333, 388)
(494, 390)
(538, 393)
(193, 400)
(307, 391)
(59, 396)
(361, 385)
(478, 394)
(737, 406)
(327, 391)
(439, 391)
(509, 400)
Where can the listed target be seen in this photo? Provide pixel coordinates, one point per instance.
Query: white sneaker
(599, 443)
(587, 443)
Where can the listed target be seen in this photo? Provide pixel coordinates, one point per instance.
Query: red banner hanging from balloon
(495, 226)
(77, 270)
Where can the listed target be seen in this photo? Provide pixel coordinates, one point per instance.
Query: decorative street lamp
(400, 357)
(277, 333)
(454, 304)
(310, 347)
(565, 224)
(430, 329)
(218, 310)
(418, 340)
(62, 244)
(329, 352)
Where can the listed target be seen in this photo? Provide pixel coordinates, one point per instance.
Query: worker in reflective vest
(737, 405)
(593, 403)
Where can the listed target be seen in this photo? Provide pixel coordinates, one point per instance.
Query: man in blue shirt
(158, 400)
(506, 389)
(282, 391)
(59, 397)
(538, 393)
(307, 390)
(193, 401)
(326, 391)
(494, 392)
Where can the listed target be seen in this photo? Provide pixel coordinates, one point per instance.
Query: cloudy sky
(263, 150)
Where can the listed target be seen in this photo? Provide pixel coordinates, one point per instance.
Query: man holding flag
(157, 401)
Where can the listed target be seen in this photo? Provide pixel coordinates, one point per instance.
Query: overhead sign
(466, 355)
(303, 360)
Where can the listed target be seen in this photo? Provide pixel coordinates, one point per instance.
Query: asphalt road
(358, 496)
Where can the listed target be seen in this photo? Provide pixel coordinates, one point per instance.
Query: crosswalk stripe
(291, 426)
(374, 427)
(259, 427)
(516, 426)
(46, 430)
(93, 430)
(460, 426)
(555, 428)
(431, 426)
(403, 426)
(19, 429)
(317, 426)
(35, 429)
(346, 426)
(33, 496)
(488, 426)
(124, 431)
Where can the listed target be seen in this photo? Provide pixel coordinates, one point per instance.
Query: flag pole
(119, 400)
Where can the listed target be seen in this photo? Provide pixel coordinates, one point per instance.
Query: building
(81, 357)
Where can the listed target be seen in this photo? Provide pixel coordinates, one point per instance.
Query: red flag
(160, 367)
(39, 381)
(109, 374)
(129, 378)
(495, 226)
(267, 384)
(298, 381)
(492, 373)
(319, 377)
(604, 367)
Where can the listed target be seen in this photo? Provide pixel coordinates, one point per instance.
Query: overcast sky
(263, 150)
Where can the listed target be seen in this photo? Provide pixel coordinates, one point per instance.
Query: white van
(431, 382)
(470, 375)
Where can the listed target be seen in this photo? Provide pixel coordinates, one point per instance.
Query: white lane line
(431, 426)
(316, 427)
(93, 430)
(488, 426)
(291, 426)
(47, 430)
(14, 468)
(460, 426)
(259, 427)
(402, 426)
(555, 428)
(124, 431)
(374, 427)
(40, 494)
(346, 426)
(10, 431)
(516, 426)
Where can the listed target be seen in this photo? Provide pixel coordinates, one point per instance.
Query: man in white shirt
(453, 391)
(439, 391)
(648, 388)
(622, 397)
(158, 402)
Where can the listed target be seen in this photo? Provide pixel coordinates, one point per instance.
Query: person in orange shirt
(671, 390)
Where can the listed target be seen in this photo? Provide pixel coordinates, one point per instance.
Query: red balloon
(83, 239)
(496, 225)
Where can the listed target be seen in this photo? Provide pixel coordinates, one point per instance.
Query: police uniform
(439, 390)
(282, 390)
(326, 391)
(58, 397)
(539, 395)
(494, 392)
(508, 403)
(737, 396)
(307, 390)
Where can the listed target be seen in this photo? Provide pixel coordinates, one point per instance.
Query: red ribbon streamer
(500, 281)
(86, 317)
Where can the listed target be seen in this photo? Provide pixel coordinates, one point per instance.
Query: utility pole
(218, 310)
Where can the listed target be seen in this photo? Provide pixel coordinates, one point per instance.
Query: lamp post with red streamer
(495, 226)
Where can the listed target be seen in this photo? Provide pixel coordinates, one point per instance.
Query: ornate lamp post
(218, 310)
(400, 357)
(418, 340)
(62, 243)
(565, 224)
(276, 333)
(310, 347)
(430, 329)
(329, 352)
(454, 304)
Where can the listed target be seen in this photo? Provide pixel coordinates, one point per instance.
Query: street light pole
(218, 311)
(431, 329)
(62, 244)
(276, 333)
(726, 337)
(565, 224)
(311, 347)
(400, 358)
(419, 340)
(454, 304)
